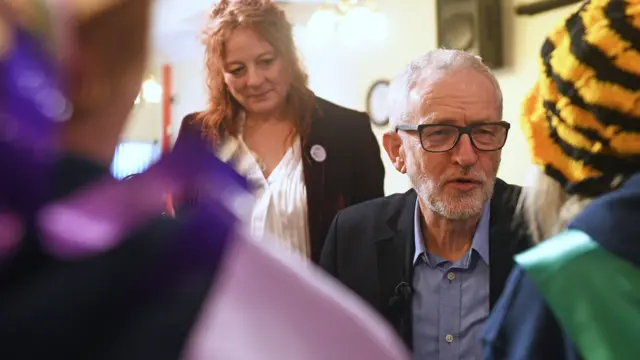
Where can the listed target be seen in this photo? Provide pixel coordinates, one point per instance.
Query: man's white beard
(461, 206)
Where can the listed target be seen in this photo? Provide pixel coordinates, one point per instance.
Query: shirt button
(451, 276)
(448, 338)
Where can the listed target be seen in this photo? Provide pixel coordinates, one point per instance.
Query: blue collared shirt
(451, 301)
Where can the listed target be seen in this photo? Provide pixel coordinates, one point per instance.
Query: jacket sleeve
(329, 255)
(368, 181)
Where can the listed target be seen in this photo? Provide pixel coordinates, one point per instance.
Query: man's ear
(392, 144)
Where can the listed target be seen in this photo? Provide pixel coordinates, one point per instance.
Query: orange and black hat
(582, 118)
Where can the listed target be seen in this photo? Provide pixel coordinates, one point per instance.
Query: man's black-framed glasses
(489, 136)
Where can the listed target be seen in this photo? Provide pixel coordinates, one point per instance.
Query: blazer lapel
(395, 248)
(505, 238)
(501, 266)
(315, 181)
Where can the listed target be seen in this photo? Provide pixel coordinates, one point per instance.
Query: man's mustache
(465, 173)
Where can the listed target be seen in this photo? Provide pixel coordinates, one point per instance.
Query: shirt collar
(480, 242)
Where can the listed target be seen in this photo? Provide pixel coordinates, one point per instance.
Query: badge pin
(318, 153)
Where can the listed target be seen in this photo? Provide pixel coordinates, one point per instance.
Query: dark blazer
(351, 173)
(370, 249)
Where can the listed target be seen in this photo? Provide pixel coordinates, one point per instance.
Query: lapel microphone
(401, 296)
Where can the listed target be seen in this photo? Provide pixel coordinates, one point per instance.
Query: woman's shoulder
(333, 111)
(193, 124)
(343, 124)
(192, 121)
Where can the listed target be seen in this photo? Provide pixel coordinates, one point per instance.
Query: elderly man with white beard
(434, 260)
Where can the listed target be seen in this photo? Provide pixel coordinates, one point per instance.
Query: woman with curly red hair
(306, 157)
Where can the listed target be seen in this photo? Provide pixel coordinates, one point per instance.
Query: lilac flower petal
(97, 218)
(32, 102)
(31, 105)
(31, 91)
(261, 295)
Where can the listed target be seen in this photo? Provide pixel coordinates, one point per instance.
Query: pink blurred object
(271, 307)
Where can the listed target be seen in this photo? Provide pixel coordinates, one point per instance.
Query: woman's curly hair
(267, 19)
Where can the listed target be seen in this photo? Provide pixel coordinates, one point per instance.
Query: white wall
(343, 75)
(189, 89)
(145, 121)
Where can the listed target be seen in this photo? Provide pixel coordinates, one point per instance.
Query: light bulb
(363, 25)
(151, 91)
(355, 25)
(322, 26)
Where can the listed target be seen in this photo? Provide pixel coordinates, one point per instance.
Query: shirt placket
(449, 307)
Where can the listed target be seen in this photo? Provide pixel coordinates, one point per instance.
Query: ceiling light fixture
(150, 92)
(351, 22)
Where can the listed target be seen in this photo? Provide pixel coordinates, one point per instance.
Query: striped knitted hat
(582, 118)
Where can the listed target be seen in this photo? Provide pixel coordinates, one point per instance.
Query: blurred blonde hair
(547, 207)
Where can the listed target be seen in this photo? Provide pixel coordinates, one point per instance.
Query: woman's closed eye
(238, 71)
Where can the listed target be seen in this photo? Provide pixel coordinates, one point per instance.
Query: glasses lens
(489, 137)
(439, 138)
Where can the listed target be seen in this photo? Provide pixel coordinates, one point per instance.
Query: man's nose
(254, 77)
(464, 153)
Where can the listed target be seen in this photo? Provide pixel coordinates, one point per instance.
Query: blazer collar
(479, 244)
(394, 251)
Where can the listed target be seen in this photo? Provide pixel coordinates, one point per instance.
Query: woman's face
(255, 74)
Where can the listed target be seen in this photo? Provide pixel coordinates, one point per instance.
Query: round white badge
(318, 153)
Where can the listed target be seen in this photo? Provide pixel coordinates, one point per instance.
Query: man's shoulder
(192, 121)
(505, 197)
(508, 219)
(504, 189)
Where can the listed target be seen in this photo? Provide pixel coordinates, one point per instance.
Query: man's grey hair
(426, 66)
